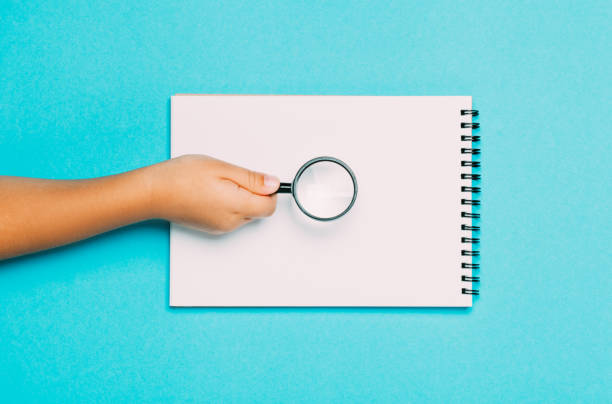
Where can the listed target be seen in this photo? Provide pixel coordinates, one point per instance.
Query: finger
(257, 183)
(252, 205)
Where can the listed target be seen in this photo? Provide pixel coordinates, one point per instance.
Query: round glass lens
(325, 189)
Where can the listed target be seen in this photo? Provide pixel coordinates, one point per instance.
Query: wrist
(156, 190)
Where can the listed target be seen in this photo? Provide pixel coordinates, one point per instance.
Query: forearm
(36, 214)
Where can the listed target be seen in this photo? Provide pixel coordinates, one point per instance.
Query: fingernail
(271, 181)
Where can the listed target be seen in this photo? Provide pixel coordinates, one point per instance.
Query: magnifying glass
(324, 188)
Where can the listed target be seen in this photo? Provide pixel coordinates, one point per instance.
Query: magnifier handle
(285, 188)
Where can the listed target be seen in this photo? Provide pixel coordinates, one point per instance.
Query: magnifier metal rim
(317, 160)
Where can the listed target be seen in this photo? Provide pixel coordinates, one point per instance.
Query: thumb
(257, 183)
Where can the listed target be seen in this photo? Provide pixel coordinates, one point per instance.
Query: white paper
(400, 244)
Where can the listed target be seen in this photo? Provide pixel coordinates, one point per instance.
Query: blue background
(84, 91)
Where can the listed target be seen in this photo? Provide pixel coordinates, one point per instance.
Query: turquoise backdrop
(84, 91)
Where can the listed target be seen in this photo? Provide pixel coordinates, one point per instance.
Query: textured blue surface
(84, 91)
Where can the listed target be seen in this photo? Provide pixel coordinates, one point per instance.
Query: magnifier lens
(325, 189)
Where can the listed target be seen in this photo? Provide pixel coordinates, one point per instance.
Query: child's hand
(198, 191)
(209, 194)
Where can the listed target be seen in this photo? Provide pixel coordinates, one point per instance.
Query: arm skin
(194, 190)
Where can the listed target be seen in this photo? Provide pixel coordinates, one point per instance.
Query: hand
(209, 194)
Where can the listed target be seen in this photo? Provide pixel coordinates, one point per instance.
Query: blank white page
(400, 245)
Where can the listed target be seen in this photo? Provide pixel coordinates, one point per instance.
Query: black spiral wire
(472, 200)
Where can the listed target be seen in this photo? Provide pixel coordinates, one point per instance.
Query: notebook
(410, 239)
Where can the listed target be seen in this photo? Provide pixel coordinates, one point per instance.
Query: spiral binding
(469, 239)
